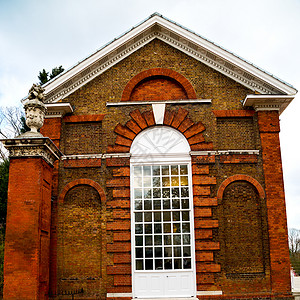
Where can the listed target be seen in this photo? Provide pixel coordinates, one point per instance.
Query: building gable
(158, 27)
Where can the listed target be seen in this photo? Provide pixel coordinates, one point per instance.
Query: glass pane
(183, 170)
(158, 252)
(184, 180)
(147, 194)
(139, 252)
(138, 217)
(175, 204)
(176, 228)
(148, 264)
(139, 265)
(184, 192)
(186, 239)
(149, 252)
(176, 215)
(138, 204)
(185, 215)
(184, 203)
(175, 180)
(165, 170)
(166, 204)
(148, 240)
(157, 228)
(147, 181)
(187, 263)
(167, 240)
(157, 217)
(167, 227)
(148, 228)
(168, 252)
(158, 264)
(174, 170)
(137, 193)
(156, 170)
(177, 251)
(168, 264)
(166, 181)
(186, 251)
(148, 217)
(147, 170)
(175, 192)
(177, 263)
(157, 204)
(186, 227)
(177, 240)
(139, 240)
(166, 193)
(137, 171)
(157, 240)
(138, 228)
(137, 182)
(148, 205)
(167, 215)
(157, 193)
(156, 181)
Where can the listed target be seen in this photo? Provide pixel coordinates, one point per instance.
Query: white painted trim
(159, 27)
(111, 155)
(55, 110)
(268, 102)
(82, 156)
(117, 295)
(159, 113)
(209, 293)
(222, 152)
(181, 101)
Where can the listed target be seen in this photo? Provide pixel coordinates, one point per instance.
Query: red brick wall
(269, 128)
(26, 266)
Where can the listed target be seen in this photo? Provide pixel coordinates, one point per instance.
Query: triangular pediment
(159, 27)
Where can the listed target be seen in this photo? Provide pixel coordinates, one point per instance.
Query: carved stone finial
(35, 109)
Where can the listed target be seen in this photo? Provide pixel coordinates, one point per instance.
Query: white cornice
(55, 110)
(180, 38)
(268, 102)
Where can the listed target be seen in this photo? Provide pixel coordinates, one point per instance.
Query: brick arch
(83, 181)
(179, 120)
(167, 73)
(240, 177)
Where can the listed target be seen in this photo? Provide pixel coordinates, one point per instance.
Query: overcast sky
(37, 34)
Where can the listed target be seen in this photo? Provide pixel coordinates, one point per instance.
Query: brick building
(169, 182)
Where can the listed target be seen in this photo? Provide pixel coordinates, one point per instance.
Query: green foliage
(23, 127)
(56, 71)
(4, 169)
(44, 76)
(2, 236)
(295, 261)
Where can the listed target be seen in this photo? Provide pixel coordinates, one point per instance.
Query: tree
(294, 245)
(44, 76)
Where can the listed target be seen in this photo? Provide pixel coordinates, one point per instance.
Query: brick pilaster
(269, 128)
(27, 245)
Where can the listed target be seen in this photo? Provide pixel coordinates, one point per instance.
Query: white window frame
(164, 146)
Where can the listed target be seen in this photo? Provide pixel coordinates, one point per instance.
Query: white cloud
(44, 34)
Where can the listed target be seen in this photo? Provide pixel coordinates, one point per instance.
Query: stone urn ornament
(35, 110)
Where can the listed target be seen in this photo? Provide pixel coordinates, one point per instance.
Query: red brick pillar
(269, 128)
(26, 257)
